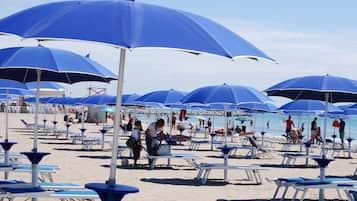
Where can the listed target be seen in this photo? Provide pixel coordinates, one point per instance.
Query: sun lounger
(189, 158)
(289, 159)
(303, 184)
(30, 192)
(75, 195)
(45, 171)
(196, 143)
(252, 171)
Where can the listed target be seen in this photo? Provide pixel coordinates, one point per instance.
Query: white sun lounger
(195, 144)
(45, 171)
(252, 171)
(75, 195)
(189, 158)
(289, 159)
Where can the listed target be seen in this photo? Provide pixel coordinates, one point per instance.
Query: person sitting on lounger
(154, 134)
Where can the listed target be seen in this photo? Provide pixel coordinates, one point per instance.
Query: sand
(168, 184)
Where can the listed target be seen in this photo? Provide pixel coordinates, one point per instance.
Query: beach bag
(130, 142)
(164, 150)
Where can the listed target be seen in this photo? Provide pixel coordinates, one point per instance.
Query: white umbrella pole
(322, 169)
(82, 120)
(35, 166)
(7, 117)
(6, 158)
(225, 124)
(113, 164)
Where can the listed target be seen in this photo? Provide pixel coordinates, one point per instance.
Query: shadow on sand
(302, 166)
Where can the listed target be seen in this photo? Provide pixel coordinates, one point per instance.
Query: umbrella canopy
(99, 100)
(128, 99)
(150, 26)
(260, 107)
(308, 106)
(128, 24)
(315, 87)
(165, 97)
(45, 86)
(19, 92)
(225, 94)
(21, 64)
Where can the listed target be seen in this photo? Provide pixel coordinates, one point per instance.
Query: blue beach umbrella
(260, 107)
(326, 88)
(165, 97)
(99, 100)
(227, 95)
(147, 25)
(128, 99)
(308, 106)
(27, 64)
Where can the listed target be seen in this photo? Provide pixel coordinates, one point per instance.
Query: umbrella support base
(111, 193)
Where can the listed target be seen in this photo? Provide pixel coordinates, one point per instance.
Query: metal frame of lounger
(189, 158)
(196, 143)
(289, 159)
(252, 171)
(252, 151)
(80, 195)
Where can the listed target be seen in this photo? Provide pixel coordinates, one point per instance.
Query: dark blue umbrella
(54, 64)
(27, 64)
(128, 25)
(165, 97)
(326, 88)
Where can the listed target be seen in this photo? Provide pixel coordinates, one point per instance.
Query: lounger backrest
(24, 122)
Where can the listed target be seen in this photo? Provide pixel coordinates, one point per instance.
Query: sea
(271, 123)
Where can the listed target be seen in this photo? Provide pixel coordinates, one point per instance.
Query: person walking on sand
(341, 130)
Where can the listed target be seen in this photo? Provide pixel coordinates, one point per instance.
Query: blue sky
(306, 38)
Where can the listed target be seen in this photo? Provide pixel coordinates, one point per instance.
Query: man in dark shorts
(341, 129)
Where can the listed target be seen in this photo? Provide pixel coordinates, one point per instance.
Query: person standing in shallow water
(341, 130)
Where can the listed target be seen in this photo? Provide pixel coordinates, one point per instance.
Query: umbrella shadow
(175, 181)
(289, 166)
(86, 150)
(274, 200)
(58, 143)
(95, 157)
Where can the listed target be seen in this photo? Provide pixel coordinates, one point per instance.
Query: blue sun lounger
(352, 195)
(303, 184)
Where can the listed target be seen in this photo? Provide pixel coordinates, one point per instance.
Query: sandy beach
(170, 184)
